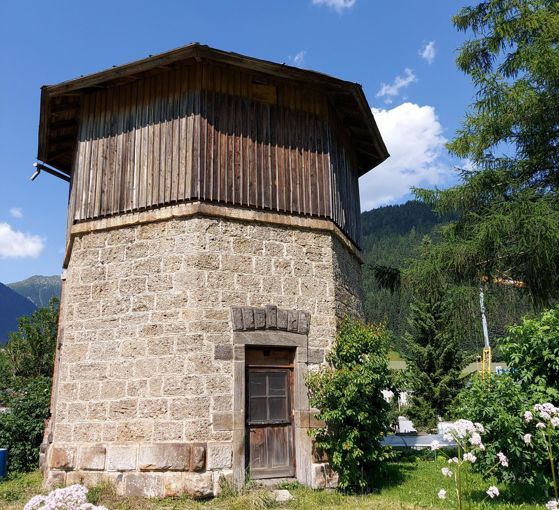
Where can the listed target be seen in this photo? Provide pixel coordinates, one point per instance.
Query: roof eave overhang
(368, 158)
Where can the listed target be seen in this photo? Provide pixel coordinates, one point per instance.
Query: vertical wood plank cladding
(195, 133)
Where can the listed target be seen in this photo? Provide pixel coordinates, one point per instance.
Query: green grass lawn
(412, 483)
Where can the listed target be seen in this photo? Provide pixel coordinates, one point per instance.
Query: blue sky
(401, 51)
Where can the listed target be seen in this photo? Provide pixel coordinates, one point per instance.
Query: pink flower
(442, 494)
(470, 457)
(446, 472)
(528, 416)
(435, 445)
(551, 505)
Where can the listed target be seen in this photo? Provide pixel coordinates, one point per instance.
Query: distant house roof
(60, 104)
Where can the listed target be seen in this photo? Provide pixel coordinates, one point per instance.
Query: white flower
(492, 492)
(475, 440)
(540, 425)
(470, 457)
(527, 438)
(387, 395)
(69, 498)
(479, 427)
(34, 502)
(555, 422)
(435, 445)
(551, 505)
(446, 472)
(481, 447)
(442, 494)
(454, 460)
(503, 459)
(528, 417)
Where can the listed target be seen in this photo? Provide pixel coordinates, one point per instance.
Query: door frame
(263, 367)
(302, 444)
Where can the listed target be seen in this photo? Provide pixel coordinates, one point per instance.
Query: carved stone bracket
(248, 318)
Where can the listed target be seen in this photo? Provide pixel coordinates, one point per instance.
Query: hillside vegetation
(394, 235)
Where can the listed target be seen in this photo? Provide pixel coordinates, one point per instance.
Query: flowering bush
(73, 497)
(545, 421)
(467, 436)
(499, 401)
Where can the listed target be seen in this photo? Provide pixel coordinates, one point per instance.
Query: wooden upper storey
(200, 124)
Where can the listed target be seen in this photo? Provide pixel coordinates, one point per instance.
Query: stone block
(259, 318)
(315, 356)
(304, 323)
(92, 458)
(271, 316)
(222, 421)
(293, 321)
(55, 479)
(164, 457)
(196, 485)
(223, 352)
(121, 458)
(198, 457)
(146, 485)
(62, 458)
(219, 456)
(248, 318)
(323, 476)
(237, 318)
(222, 481)
(282, 319)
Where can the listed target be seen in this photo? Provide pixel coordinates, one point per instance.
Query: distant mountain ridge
(12, 306)
(38, 289)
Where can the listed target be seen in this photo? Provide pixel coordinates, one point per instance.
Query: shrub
(499, 402)
(348, 394)
(532, 352)
(21, 427)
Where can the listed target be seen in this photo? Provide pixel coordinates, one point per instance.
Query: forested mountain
(394, 234)
(12, 306)
(39, 289)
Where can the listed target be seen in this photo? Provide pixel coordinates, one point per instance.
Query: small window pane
(277, 384)
(257, 384)
(278, 408)
(257, 409)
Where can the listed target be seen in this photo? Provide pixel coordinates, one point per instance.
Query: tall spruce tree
(433, 355)
(507, 203)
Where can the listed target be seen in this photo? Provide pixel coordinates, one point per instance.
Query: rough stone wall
(145, 353)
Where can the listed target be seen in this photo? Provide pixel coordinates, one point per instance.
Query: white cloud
(299, 59)
(338, 5)
(414, 139)
(15, 244)
(16, 212)
(399, 83)
(428, 52)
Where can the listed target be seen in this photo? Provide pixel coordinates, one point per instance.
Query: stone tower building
(213, 243)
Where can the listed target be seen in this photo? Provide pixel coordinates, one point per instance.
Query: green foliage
(434, 361)
(391, 251)
(27, 363)
(532, 353)
(507, 206)
(22, 426)
(348, 394)
(30, 350)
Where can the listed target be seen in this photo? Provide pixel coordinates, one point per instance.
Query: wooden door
(270, 413)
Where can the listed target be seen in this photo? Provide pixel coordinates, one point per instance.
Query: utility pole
(486, 357)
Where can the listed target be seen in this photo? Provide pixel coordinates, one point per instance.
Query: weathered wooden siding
(204, 132)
